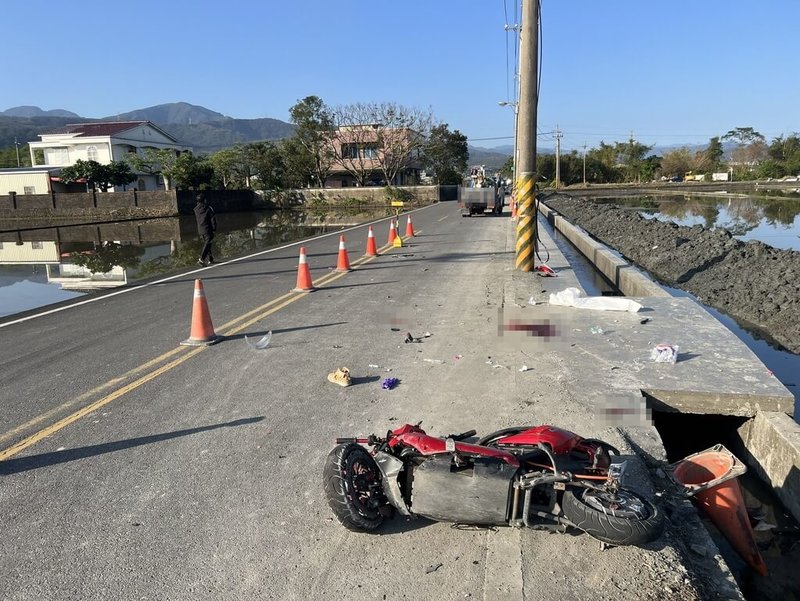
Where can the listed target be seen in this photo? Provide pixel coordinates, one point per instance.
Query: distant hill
(205, 130)
(35, 111)
(489, 158)
(216, 135)
(178, 113)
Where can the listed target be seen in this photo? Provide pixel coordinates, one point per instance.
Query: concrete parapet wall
(89, 205)
(771, 444)
(629, 280)
(421, 195)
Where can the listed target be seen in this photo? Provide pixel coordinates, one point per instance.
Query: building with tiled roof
(104, 142)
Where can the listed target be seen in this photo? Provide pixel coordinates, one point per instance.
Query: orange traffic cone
(513, 207)
(710, 477)
(202, 332)
(343, 263)
(303, 274)
(409, 228)
(392, 232)
(372, 247)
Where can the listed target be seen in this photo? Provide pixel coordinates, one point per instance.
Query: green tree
(631, 155)
(786, 151)
(116, 173)
(8, 156)
(507, 168)
(314, 125)
(227, 164)
(300, 165)
(268, 170)
(714, 153)
(192, 172)
(675, 163)
(446, 153)
(155, 162)
(750, 150)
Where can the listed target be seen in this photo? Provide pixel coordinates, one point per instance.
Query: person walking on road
(206, 226)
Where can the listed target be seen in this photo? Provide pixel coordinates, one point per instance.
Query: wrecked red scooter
(539, 477)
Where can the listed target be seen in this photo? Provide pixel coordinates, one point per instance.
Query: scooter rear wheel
(352, 482)
(621, 518)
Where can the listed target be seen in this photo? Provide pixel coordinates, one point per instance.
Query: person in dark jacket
(206, 226)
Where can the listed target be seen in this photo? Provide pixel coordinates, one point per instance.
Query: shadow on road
(23, 464)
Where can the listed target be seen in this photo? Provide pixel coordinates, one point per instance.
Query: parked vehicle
(540, 477)
(475, 201)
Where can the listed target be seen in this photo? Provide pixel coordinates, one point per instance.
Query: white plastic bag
(573, 297)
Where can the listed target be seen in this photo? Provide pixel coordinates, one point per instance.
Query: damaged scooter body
(539, 477)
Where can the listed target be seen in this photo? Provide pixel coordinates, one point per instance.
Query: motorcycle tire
(624, 519)
(349, 475)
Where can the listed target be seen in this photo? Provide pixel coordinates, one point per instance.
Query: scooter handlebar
(463, 435)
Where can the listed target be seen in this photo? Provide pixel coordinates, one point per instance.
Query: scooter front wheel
(617, 518)
(352, 482)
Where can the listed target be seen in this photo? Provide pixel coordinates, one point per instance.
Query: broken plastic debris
(531, 301)
(664, 353)
(457, 357)
(374, 366)
(596, 330)
(260, 344)
(524, 368)
(433, 568)
(427, 335)
(436, 361)
(389, 383)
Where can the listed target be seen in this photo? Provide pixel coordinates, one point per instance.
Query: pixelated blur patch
(537, 327)
(623, 410)
(397, 319)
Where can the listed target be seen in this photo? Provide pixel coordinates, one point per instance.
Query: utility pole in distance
(558, 136)
(526, 136)
(584, 164)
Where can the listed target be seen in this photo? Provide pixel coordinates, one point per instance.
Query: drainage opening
(777, 533)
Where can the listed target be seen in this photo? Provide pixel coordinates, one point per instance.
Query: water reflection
(773, 219)
(46, 265)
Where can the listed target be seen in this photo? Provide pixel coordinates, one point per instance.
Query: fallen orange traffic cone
(710, 477)
(372, 247)
(303, 274)
(392, 232)
(202, 332)
(409, 228)
(343, 262)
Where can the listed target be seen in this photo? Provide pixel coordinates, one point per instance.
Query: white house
(104, 141)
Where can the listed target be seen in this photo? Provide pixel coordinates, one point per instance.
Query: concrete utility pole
(584, 164)
(16, 145)
(526, 136)
(558, 136)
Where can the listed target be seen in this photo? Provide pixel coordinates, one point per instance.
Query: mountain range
(205, 130)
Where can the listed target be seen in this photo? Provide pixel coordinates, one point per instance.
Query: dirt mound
(754, 283)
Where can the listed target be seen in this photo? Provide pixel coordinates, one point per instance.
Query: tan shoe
(341, 376)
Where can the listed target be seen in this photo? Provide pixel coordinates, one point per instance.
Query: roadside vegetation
(307, 158)
(751, 158)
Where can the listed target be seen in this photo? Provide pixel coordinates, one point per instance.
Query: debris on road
(260, 344)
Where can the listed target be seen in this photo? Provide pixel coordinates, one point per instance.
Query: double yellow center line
(228, 329)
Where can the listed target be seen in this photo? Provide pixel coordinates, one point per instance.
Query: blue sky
(670, 72)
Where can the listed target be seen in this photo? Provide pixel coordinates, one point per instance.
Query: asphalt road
(134, 468)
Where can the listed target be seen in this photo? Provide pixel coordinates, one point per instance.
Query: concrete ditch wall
(771, 445)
